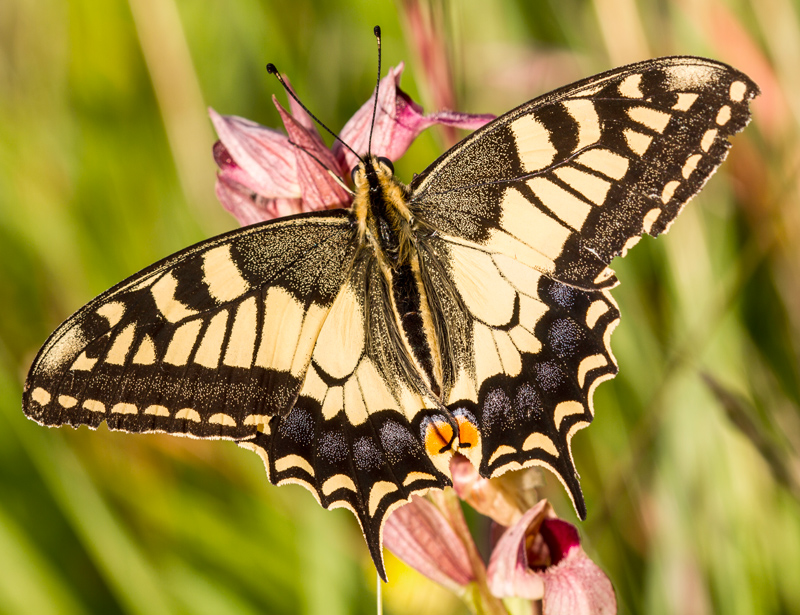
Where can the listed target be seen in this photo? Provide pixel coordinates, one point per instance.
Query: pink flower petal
(421, 536)
(410, 122)
(298, 113)
(576, 585)
(319, 189)
(509, 573)
(229, 168)
(248, 207)
(265, 160)
(398, 121)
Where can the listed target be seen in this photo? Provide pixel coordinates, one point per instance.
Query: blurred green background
(691, 468)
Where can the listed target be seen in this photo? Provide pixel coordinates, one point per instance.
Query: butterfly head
(370, 171)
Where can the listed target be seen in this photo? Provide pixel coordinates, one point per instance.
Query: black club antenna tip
(377, 30)
(271, 69)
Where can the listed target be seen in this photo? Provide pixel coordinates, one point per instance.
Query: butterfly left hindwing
(354, 436)
(210, 342)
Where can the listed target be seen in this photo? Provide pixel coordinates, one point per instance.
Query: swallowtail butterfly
(355, 350)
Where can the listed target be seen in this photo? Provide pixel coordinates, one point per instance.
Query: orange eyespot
(468, 434)
(438, 436)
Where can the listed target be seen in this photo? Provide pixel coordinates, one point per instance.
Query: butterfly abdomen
(415, 320)
(387, 228)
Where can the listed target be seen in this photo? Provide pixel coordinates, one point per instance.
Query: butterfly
(356, 350)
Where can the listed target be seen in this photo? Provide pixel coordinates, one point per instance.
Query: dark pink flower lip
(560, 537)
(222, 156)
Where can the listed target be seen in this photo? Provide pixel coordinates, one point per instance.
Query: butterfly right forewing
(567, 181)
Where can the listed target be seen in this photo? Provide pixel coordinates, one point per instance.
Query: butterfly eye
(387, 163)
(353, 173)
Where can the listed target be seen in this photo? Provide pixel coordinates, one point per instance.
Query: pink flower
(432, 537)
(265, 173)
(538, 558)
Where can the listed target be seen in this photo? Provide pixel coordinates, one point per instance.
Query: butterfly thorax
(385, 222)
(387, 226)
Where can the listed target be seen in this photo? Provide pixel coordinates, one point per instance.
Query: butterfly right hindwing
(529, 352)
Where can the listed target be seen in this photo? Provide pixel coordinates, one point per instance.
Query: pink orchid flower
(541, 558)
(538, 557)
(265, 174)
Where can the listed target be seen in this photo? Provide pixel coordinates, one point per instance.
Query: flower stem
(477, 596)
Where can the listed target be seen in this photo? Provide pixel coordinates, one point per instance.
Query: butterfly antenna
(272, 70)
(377, 31)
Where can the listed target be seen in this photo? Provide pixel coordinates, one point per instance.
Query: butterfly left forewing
(210, 342)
